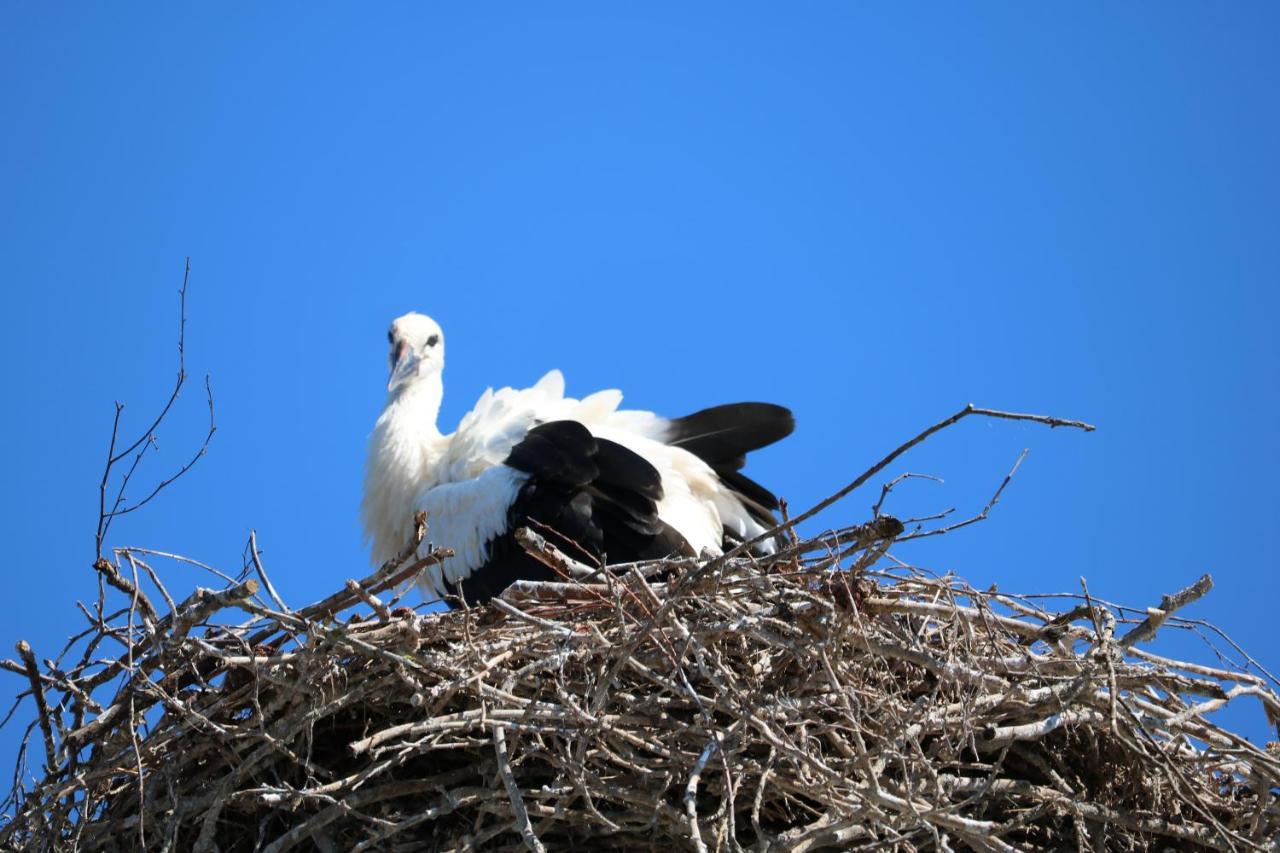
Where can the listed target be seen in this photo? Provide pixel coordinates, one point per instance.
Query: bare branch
(1168, 604)
(712, 566)
(981, 516)
(42, 706)
(889, 486)
(147, 439)
(124, 510)
(262, 572)
(370, 599)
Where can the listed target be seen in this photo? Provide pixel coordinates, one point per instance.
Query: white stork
(620, 485)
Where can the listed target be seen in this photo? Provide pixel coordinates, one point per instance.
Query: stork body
(600, 481)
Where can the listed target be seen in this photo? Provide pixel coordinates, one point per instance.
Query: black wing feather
(592, 497)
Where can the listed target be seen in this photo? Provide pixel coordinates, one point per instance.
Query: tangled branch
(809, 700)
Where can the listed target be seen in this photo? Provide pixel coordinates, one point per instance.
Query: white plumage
(513, 459)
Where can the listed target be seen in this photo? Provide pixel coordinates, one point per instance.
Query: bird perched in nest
(608, 483)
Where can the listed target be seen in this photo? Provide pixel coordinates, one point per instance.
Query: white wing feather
(466, 516)
(500, 419)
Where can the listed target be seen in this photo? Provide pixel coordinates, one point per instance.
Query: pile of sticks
(825, 697)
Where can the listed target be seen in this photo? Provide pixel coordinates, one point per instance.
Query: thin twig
(981, 516)
(262, 572)
(147, 439)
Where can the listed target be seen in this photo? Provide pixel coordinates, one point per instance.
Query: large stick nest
(810, 700)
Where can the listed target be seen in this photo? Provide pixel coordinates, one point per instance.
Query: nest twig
(809, 700)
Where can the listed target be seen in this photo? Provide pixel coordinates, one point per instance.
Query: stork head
(417, 350)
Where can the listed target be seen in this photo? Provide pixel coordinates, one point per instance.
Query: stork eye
(433, 340)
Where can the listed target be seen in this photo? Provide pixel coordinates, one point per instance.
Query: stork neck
(418, 405)
(403, 450)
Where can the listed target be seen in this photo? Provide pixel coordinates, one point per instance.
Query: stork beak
(403, 365)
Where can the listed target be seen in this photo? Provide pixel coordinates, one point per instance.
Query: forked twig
(147, 439)
(981, 516)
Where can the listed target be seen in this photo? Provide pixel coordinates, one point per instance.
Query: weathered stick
(1146, 629)
(518, 811)
(42, 705)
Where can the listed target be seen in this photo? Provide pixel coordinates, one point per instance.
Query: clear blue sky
(870, 213)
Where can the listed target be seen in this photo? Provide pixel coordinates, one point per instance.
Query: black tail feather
(722, 436)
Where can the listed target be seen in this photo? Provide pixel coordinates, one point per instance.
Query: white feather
(466, 516)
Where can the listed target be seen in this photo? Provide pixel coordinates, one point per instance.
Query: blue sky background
(870, 213)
